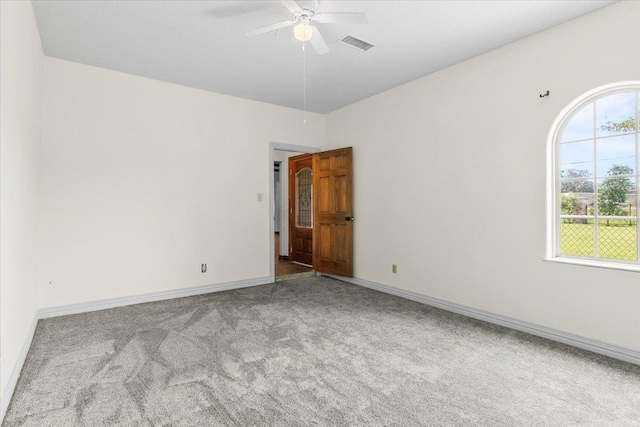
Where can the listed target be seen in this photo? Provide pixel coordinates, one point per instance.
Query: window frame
(553, 205)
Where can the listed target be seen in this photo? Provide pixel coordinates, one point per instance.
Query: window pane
(577, 239)
(616, 113)
(617, 239)
(576, 198)
(616, 197)
(304, 205)
(581, 188)
(616, 156)
(580, 126)
(576, 159)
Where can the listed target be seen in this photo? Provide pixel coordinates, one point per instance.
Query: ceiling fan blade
(342, 18)
(291, 5)
(318, 42)
(268, 28)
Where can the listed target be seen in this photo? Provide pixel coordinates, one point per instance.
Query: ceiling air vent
(357, 43)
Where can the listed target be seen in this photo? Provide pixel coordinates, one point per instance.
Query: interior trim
(595, 346)
(611, 265)
(84, 307)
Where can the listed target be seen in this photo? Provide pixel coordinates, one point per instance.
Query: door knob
(349, 218)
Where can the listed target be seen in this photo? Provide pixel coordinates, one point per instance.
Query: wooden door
(301, 209)
(333, 212)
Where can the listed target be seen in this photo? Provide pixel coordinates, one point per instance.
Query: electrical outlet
(394, 268)
(203, 268)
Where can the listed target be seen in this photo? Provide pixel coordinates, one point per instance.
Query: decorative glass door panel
(304, 198)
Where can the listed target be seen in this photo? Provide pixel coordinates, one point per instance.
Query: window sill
(594, 263)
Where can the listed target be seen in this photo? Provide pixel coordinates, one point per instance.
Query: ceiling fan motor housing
(305, 16)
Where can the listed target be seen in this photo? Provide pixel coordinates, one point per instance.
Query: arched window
(594, 160)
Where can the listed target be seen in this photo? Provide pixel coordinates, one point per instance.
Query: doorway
(329, 245)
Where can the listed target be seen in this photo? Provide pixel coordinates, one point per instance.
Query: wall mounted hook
(542, 95)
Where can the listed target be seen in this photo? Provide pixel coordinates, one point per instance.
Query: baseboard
(84, 307)
(600, 347)
(17, 368)
(63, 310)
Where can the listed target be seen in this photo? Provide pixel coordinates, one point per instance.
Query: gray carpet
(310, 352)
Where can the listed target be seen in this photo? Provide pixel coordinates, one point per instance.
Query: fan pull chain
(304, 83)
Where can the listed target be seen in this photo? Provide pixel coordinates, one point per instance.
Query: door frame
(278, 146)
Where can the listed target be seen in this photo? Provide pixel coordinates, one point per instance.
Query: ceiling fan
(304, 31)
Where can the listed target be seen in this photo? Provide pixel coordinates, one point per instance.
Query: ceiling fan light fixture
(303, 32)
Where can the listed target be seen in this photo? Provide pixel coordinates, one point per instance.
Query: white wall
(450, 179)
(144, 180)
(20, 110)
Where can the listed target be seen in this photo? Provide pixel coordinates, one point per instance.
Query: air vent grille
(357, 43)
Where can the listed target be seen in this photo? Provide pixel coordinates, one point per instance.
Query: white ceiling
(202, 44)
